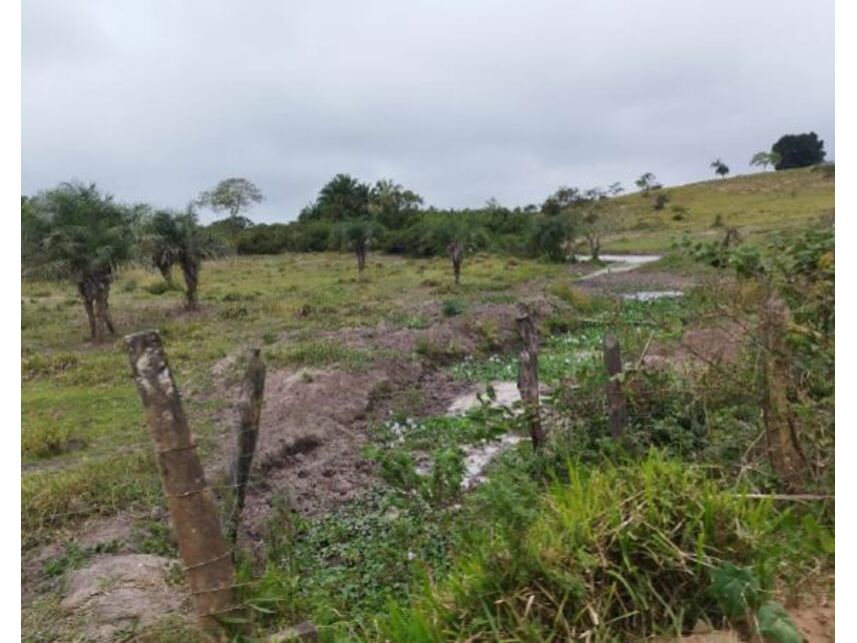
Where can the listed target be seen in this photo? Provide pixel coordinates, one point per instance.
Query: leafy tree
(176, 238)
(798, 150)
(343, 198)
(550, 238)
(647, 182)
(720, 168)
(593, 222)
(565, 206)
(359, 234)
(232, 196)
(392, 205)
(764, 159)
(78, 233)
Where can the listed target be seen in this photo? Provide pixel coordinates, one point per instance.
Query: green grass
(618, 551)
(79, 406)
(757, 204)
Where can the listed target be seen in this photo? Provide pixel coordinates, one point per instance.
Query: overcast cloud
(460, 100)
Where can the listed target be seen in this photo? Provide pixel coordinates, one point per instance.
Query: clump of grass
(42, 365)
(451, 307)
(436, 352)
(577, 298)
(318, 353)
(619, 552)
(162, 287)
(46, 440)
(52, 499)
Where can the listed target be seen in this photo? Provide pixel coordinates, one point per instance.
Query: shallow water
(621, 263)
(651, 295)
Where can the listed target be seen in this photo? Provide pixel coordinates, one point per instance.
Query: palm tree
(359, 235)
(81, 235)
(176, 238)
(764, 159)
(344, 197)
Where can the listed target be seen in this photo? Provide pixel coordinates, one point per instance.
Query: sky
(458, 100)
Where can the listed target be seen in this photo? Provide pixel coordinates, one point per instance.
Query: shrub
(451, 308)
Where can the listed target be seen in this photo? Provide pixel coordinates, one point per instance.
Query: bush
(451, 308)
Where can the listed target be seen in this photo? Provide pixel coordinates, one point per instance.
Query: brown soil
(718, 344)
(314, 421)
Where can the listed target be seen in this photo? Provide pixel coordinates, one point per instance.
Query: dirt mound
(699, 348)
(115, 596)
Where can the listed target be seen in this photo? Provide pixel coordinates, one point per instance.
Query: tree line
(77, 232)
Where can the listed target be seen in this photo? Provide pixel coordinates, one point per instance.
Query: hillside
(756, 204)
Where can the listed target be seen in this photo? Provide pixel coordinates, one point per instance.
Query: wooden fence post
(784, 450)
(190, 501)
(247, 432)
(528, 375)
(617, 406)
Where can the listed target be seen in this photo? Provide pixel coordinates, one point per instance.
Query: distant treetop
(798, 150)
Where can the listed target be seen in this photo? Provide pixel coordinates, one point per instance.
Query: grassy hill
(756, 204)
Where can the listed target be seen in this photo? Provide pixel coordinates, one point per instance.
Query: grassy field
(757, 204)
(86, 454)
(82, 422)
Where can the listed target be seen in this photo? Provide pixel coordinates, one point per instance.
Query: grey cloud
(460, 101)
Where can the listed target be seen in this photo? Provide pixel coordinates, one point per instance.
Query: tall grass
(615, 552)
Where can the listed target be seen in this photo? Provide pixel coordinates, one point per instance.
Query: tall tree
(343, 198)
(391, 204)
(176, 238)
(563, 206)
(764, 159)
(720, 168)
(81, 235)
(798, 150)
(232, 196)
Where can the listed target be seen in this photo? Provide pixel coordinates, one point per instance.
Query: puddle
(620, 263)
(507, 394)
(479, 456)
(651, 295)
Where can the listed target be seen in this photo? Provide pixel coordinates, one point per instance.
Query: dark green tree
(76, 232)
(798, 150)
(720, 168)
(359, 235)
(392, 205)
(343, 198)
(176, 238)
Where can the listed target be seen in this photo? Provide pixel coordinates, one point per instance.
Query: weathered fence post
(528, 375)
(617, 406)
(784, 450)
(247, 432)
(191, 503)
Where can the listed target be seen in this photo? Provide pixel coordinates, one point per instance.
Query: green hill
(756, 204)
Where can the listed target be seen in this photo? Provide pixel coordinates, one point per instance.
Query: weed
(451, 308)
